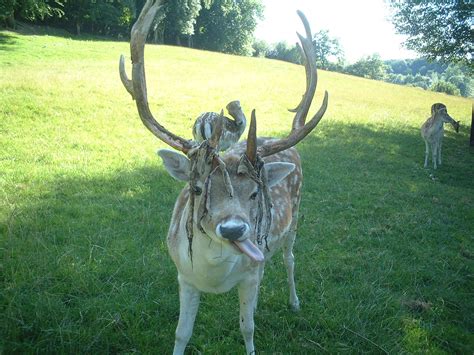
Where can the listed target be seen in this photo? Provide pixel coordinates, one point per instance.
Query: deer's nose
(232, 229)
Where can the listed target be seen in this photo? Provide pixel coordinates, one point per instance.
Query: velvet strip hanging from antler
(256, 172)
(204, 161)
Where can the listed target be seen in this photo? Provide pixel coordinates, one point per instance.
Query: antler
(300, 128)
(251, 151)
(137, 86)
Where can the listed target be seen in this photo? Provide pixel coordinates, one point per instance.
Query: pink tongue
(249, 249)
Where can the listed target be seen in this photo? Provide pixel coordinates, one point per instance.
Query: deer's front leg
(248, 291)
(188, 307)
(427, 153)
(289, 260)
(434, 154)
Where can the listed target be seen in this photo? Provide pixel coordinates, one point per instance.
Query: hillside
(384, 256)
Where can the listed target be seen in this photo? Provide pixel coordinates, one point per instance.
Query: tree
(398, 66)
(104, 17)
(285, 52)
(7, 10)
(228, 26)
(421, 81)
(461, 80)
(260, 48)
(371, 67)
(326, 47)
(29, 10)
(180, 19)
(443, 86)
(439, 30)
(471, 140)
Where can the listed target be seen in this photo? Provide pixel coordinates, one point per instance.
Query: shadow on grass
(38, 30)
(88, 258)
(86, 267)
(390, 152)
(6, 41)
(29, 29)
(373, 224)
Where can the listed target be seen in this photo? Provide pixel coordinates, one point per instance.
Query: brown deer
(231, 131)
(237, 209)
(432, 132)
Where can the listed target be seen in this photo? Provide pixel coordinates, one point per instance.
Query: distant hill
(453, 79)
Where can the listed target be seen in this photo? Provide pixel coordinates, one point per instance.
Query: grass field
(385, 247)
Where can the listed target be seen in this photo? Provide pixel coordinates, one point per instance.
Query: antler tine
(297, 135)
(252, 139)
(311, 74)
(218, 128)
(137, 86)
(300, 128)
(308, 77)
(124, 77)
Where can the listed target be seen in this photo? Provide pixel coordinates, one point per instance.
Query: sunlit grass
(85, 205)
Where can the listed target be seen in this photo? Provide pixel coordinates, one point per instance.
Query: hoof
(295, 307)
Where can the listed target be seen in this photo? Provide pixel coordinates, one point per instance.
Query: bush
(371, 67)
(443, 86)
(288, 53)
(260, 48)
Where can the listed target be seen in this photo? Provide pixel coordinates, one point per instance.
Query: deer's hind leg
(440, 144)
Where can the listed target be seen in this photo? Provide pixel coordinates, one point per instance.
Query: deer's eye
(254, 195)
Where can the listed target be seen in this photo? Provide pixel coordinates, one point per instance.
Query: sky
(362, 27)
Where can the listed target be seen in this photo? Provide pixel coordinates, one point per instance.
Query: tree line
(434, 75)
(217, 25)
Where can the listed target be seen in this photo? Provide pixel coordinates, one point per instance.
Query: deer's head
(229, 194)
(227, 203)
(440, 110)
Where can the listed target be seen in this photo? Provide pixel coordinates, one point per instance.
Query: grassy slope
(85, 206)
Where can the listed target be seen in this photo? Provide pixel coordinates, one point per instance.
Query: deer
(239, 207)
(206, 122)
(432, 132)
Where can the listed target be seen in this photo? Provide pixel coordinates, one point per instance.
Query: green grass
(385, 248)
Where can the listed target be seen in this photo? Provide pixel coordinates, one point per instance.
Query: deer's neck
(436, 125)
(241, 121)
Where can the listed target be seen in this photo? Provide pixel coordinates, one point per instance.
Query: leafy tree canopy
(326, 47)
(180, 18)
(29, 9)
(228, 26)
(371, 67)
(437, 29)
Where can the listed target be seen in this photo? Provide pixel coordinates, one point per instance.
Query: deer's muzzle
(232, 229)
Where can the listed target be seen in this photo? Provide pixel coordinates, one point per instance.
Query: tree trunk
(11, 21)
(78, 28)
(472, 126)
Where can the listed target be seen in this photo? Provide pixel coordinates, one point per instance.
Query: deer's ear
(176, 164)
(276, 172)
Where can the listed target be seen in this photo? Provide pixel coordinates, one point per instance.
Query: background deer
(237, 209)
(231, 131)
(432, 132)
